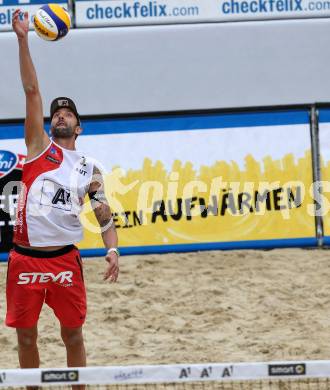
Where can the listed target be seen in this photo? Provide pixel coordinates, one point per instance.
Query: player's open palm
(21, 27)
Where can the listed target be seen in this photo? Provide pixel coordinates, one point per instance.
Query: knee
(72, 337)
(27, 338)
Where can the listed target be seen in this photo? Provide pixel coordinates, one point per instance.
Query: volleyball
(52, 22)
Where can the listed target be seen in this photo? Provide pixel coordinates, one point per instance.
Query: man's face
(64, 123)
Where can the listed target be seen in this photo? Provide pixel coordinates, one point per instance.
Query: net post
(316, 169)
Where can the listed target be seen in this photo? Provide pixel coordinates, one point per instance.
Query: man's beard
(62, 132)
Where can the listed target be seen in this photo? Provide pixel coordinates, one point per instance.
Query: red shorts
(56, 278)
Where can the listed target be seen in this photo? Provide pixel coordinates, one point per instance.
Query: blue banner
(7, 8)
(23, 3)
(144, 12)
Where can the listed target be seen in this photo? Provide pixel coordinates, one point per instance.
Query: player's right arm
(36, 138)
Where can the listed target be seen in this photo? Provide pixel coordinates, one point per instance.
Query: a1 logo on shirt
(54, 195)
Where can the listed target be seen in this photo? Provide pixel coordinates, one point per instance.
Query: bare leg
(28, 353)
(75, 349)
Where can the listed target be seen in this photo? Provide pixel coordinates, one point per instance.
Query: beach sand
(196, 307)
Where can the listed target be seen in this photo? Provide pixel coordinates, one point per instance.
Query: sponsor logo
(63, 103)
(127, 375)
(60, 376)
(62, 196)
(52, 159)
(64, 278)
(206, 372)
(82, 164)
(8, 162)
(56, 196)
(185, 372)
(46, 19)
(227, 371)
(287, 369)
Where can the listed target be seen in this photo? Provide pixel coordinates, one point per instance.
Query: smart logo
(60, 376)
(287, 369)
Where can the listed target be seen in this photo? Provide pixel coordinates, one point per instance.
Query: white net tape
(177, 373)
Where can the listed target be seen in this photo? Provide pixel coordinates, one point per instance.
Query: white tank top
(54, 186)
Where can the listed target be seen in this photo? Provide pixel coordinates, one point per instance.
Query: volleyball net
(284, 375)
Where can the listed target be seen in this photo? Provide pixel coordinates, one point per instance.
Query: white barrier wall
(182, 67)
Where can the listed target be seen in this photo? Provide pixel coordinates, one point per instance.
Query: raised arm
(36, 138)
(104, 217)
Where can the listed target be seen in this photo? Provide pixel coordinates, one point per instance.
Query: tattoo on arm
(104, 216)
(96, 189)
(99, 202)
(97, 198)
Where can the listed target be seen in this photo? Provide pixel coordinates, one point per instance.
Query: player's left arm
(104, 217)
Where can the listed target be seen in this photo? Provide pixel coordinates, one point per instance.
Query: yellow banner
(217, 203)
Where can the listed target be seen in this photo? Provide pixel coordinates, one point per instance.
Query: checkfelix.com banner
(7, 8)
(143, 12)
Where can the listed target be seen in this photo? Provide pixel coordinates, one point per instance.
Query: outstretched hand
(112, 268)
(21, 27)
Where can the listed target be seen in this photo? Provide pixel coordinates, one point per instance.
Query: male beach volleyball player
(44, 265)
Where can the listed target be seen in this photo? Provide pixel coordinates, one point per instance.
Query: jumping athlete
(44, 265)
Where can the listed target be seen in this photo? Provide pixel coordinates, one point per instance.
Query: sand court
(196, 307)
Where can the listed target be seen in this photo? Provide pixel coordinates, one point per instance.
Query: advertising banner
(201, 181)
(225, 179)
(323, 189)
(7, 8)
(11, 164)
(144, 12)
